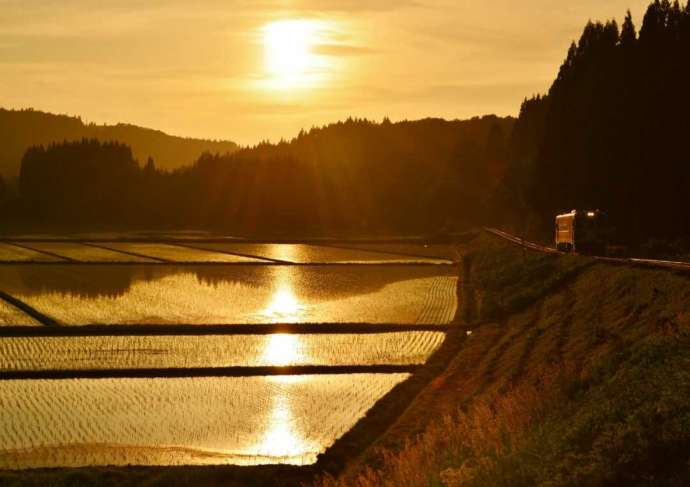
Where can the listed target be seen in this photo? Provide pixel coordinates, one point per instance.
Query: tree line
(351, 178)
(610, 133)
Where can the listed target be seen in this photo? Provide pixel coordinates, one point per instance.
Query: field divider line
(213, 240)
(392, 253)
(235, 254)
(267, 263)
(126, 252)
(427, 261)
(205, 372)
(29, 310)
(44, 252)
(205, 330)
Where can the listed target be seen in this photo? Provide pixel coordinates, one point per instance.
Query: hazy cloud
(341, 50)
(191, 68)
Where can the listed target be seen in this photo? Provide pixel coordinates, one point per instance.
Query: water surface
(318, 254)
(434, 251)
(9, 315)
(85, 253)
(13, 253)
(178, 253)
(121, 294)
(277, 350)
(200, 421)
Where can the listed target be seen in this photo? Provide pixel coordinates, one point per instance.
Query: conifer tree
(628, 32)
(150, 167)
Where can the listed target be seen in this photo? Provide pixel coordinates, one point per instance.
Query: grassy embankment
(576, 373)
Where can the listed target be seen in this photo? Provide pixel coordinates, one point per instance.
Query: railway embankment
(574, 372)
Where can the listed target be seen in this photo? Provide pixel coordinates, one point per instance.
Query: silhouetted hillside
(3, 189)
(611, 132)
(354, 177)
(21, 129)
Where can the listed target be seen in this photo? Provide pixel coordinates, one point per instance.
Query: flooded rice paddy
(84, 253)
(82, 295)
(267, 413)
(437, 252)
(10, 315)
(274, 350)
(14, 253)
(197, 421)
(178, 253)
(319, 254)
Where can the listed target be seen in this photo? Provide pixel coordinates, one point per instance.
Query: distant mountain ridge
(21, 129)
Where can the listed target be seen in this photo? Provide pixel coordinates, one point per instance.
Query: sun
(288, 48)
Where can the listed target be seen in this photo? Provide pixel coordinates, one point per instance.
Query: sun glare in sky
(290, 60)
(249, 71)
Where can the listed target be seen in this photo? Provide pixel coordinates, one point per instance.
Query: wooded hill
(351, 178)
(611, 133)
(21, 129)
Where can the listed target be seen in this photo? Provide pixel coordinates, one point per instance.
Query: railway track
(654, 263)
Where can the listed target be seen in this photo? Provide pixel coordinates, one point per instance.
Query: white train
(581, 231)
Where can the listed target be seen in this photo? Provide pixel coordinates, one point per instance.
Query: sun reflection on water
(282, 349)
(282, 438)
(284, 306)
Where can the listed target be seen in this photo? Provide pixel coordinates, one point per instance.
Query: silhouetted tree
(150, 168)
(628, 32)
(611, 133)
(82, 181)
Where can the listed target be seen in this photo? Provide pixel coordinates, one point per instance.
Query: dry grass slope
(576, 373)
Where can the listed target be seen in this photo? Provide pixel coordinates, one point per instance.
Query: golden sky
(262, 69)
